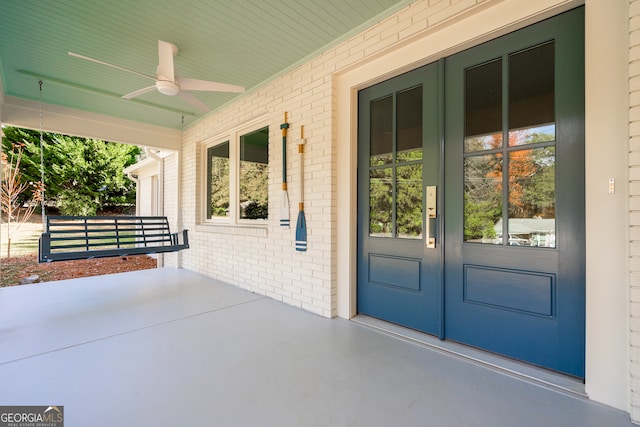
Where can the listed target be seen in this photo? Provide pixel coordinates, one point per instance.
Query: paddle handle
(284, 126)
(301, 143)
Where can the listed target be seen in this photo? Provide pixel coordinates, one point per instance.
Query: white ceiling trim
(26, 114)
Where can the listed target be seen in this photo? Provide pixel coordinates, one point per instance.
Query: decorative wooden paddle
(301, 226)
(284, 205)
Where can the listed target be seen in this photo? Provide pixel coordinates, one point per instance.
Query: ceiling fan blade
(166, 52)
(97, 61)
(138, 92)
(193, 84)
(191, 99)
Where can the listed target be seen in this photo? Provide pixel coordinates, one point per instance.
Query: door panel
(399, 278)
(495, 135)
(514, 262)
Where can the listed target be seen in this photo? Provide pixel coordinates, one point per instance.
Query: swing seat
(83, 237)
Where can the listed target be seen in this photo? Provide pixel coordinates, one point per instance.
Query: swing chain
(42, 160)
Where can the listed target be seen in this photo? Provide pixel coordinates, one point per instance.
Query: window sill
(234, 230)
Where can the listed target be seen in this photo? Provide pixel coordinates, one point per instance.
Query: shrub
(74, 204)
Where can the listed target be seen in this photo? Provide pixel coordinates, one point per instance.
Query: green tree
(409, 200)
(381, 201)
(81, 175)
(540, 192)
(482, 195)
(28, 141)
(480, 217)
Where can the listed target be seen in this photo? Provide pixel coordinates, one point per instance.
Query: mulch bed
(18, 270)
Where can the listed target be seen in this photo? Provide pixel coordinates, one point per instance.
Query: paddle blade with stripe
(284, 210)
(301, 225)
(301, 233)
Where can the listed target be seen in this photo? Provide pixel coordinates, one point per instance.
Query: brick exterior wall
(265, 261)
(634, 202)
(170, 204)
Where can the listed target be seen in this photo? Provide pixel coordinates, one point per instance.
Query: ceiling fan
(166, 81)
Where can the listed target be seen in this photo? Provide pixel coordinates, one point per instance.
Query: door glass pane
(381, 131)
(218, 181)
(531, 95)
(532, 199)
(254, 174)
(409, 201)
(482, 198)
(409, 124)
(381, 202)
(483, 107)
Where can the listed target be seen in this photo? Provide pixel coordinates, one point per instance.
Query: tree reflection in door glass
(381, 202)
(532, 199)
(482, 197)
(409, 201)
(529, 187)
(532, 135)
(482, 142)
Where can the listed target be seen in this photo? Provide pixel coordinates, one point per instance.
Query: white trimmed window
(236, 178)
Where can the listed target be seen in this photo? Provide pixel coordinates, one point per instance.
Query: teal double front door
(471, 197)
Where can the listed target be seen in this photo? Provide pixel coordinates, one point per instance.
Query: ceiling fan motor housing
(167, 87)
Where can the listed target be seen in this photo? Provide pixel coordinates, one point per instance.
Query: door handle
(432, 213)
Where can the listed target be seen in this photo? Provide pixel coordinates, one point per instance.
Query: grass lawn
(24, 238)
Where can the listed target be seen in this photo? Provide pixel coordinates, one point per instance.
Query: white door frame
(607, 358)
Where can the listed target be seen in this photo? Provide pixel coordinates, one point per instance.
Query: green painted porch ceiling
(242, 42)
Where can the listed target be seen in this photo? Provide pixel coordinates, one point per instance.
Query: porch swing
(67, 238)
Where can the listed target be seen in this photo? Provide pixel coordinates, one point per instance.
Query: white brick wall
(269, 264)
(170, 204)
(634, 203)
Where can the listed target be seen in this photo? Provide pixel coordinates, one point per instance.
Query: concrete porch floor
(170, 347)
